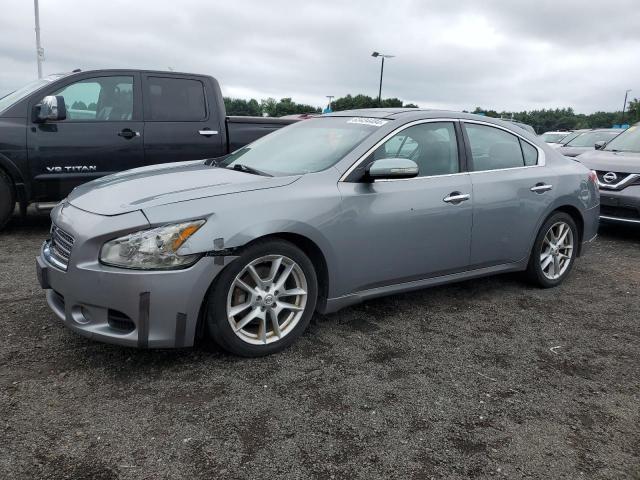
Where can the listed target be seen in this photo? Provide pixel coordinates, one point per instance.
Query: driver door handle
(128, 133)
(456, 197)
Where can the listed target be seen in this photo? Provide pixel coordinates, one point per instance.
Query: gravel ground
(484, 379)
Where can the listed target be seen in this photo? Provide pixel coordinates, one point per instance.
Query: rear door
(101, 134)
(511, 191)
(180, 120)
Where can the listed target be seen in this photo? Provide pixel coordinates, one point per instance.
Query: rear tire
(7, 199)
(554, 251)
(263, 301)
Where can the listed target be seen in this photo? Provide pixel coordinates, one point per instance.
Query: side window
(493, 148)
(176, 100)
(432, 146)
(100, 99)
(530, 153)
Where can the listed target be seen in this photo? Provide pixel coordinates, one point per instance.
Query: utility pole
(39, 49)
(624, 105)
(383, 56)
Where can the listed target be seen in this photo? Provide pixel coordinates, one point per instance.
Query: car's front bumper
(126, 307)
(620, 206)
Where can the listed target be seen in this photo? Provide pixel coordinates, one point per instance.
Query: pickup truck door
(181, 119)
(101, 134)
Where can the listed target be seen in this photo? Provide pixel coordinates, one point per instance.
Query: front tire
(263, 301)
(554, 251)
(7, 199)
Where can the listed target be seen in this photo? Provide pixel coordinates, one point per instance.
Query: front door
(101, 135)
(403, 230)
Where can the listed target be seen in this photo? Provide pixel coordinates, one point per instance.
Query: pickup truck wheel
(7, 199)
(263, 301)
(554, 251)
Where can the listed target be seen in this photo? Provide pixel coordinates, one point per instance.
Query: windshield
(304, 147)
(551, 137)
(571, 136)
(588, 139)
(13, 97)
(627, 141)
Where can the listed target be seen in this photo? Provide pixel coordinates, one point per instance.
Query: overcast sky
(501, 54)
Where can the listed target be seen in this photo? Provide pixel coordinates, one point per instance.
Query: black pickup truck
(67, 129)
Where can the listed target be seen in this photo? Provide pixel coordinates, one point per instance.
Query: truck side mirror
(600, 145)
(52, 107)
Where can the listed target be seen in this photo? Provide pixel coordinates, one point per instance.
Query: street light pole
(624, 105)
(39, 50)
(383, 56)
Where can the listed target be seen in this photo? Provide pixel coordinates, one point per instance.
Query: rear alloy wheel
(554, 251)
(7, 199)
(264, 300)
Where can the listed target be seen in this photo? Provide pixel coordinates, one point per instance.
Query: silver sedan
(317, 216)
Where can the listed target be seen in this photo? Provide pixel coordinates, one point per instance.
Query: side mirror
(600, 145)
(389, 168)
(51, 107)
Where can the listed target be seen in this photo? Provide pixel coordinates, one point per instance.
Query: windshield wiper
(245, 168)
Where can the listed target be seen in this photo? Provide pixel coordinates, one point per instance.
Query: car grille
(622, 178)
(61, 246)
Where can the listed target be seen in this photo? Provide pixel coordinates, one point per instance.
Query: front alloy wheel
(263, 301)
(267, 299)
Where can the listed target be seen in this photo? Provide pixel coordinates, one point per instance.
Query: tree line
(542, 120)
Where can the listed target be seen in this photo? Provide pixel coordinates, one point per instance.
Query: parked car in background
(618, 169)
(61, 131)
(320, 215)
(523, 126)
(569, 137)
(589, 140)
(553, 137)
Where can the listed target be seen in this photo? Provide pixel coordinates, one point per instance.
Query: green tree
(633, 111)
(79, 105)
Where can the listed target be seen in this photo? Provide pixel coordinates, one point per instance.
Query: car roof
(414, 113)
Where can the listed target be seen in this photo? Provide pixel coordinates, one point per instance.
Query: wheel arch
(304, 243)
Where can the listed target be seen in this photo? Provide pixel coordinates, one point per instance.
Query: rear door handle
(207, 132)
(541, 188)
(128, 133)
(456, 197)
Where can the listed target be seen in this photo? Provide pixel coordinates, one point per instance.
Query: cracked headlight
(155, 249)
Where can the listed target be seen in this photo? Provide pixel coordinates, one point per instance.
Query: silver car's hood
(156, 185)
(626, 162)
(573, 151)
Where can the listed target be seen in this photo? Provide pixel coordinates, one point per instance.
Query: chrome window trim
(541, 155)
(356, 164)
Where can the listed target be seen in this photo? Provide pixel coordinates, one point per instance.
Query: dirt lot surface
(484, 379)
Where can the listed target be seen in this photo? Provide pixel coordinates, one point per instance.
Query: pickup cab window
(100, 99)
(175, 99)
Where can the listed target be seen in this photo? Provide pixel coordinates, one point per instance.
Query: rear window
(175, 100)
